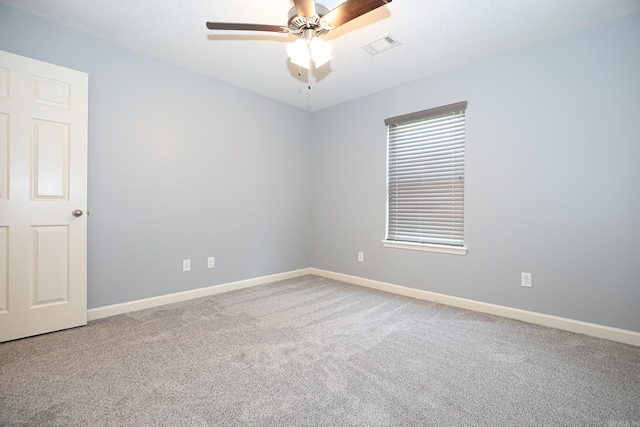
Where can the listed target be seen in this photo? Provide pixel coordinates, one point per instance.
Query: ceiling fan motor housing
(299, 25)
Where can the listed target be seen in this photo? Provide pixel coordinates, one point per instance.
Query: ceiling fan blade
(305, 7)
(351, 9)
(246, 27)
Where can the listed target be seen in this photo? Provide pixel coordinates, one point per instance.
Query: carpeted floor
(313, 351)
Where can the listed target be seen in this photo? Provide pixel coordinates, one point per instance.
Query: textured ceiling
(435, 35)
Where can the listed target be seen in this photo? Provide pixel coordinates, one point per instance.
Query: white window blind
(425, 176)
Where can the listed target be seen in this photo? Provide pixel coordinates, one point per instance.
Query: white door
(43, 180)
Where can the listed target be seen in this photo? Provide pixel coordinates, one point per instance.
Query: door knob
(77, 213)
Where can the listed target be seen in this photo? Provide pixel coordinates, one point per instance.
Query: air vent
(381, 44)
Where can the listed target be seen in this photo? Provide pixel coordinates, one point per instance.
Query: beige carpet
(313, 351)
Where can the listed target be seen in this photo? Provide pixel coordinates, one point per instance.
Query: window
(425, 180)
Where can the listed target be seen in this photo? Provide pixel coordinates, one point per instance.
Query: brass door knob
(77, 213)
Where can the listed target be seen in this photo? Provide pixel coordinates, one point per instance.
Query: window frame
(424, 115)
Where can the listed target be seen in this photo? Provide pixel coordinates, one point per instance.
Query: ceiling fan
(308, 21)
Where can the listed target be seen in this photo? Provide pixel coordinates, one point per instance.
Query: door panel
(4, 82)
(50, 92)
(4, 268)
(50, 153)
(51, 265)
(4, 156)
(43, 174)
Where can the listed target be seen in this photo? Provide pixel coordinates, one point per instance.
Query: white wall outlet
(211, 262)
(186, 264)
(525, 279)
(361, 256)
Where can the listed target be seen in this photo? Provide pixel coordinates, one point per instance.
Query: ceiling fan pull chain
(308, 37)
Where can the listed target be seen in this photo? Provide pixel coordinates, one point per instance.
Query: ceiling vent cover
(381, 44)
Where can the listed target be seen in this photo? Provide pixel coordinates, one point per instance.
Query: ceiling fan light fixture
(320, 51)
(298, 52)
(302, 51)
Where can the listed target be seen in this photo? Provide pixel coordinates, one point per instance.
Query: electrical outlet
(211, 262)
(525, 280)
(186, 265)
(361, 256)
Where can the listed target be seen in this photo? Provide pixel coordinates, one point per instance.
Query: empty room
(349, 213)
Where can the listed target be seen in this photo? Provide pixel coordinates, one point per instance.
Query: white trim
(126, 307)
(454, 250)
(592, 329)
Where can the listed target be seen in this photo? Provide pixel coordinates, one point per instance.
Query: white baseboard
(592, 329)
(126, 307)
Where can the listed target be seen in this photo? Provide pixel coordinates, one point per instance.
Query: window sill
(454, 250)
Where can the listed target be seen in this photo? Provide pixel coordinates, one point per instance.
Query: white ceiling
(435, 35)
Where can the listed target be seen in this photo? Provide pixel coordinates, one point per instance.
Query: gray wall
(552, 188)
(180, 166)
